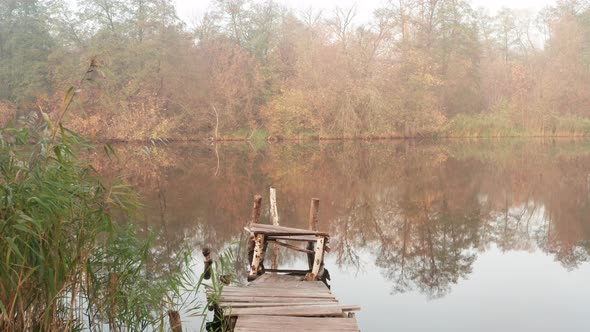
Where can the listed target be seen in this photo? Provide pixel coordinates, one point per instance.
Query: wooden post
(255, 220)
(175, 322)
(318, 259)
(273, 207)
(256, 209)
(208, 262)
(258, 257)
(274, 213)
(313, 214)
(313, 226)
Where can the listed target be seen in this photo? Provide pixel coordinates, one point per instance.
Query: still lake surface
(487, 235)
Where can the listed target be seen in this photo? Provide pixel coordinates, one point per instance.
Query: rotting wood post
(256, 209)
(273, 207)
(255, 220)
(208, 263)
(258, 257)
(175, 322)
(313, 214)
(318, 259)
(274, 213)
(313, 226)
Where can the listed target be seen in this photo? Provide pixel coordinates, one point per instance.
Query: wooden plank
(262, 288)
(287, 304)
(277, 297)
(317, 285)
(271, 295)
(276, 279)
(293, 285)
(269, 299)
(302, 238)
(277, 283)
(268, 304)
(299, 272)
(274, 304)
(278, 294)
(281, 230)
(296, 311)
(286, 245)
(295, 324)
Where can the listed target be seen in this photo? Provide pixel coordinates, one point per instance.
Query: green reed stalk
(70, 257)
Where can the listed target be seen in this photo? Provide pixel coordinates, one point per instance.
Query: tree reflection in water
(423, 210)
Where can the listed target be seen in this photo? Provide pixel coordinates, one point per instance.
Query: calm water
(427, 236)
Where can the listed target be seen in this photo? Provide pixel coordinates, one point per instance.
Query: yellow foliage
(289, 114)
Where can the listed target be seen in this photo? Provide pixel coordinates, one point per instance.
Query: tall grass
(70, 256)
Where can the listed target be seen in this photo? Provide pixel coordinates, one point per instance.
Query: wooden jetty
(286, 300)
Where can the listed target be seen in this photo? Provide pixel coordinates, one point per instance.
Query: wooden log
(255, 220)
(286, 245)
(258, 257)
(208, 263)
(318, 261)
(274, 213)
(313, 226)
(256, 209)
(175, 322)
(313, 214)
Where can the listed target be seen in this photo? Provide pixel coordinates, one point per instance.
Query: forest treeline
(256, 69)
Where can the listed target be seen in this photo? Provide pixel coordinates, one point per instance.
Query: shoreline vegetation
(73, 256)
(259, 70)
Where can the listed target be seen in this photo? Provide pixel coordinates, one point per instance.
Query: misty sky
(188, 10)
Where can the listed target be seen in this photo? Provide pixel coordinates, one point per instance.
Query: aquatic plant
(71, 257)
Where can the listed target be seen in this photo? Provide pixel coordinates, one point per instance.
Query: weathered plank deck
(300, 300)
(287, 303)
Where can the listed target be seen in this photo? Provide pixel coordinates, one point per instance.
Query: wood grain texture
(294, 324)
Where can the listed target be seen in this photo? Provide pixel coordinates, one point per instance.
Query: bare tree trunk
(216, 122)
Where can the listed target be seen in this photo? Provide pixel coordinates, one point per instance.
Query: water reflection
(424, 210)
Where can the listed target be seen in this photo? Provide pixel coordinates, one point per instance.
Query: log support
(257, 267)
(255, 220)
(274, 213)
(314, 208)
(318, 261)
(208, 263)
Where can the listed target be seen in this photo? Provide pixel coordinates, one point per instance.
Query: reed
(71, 257)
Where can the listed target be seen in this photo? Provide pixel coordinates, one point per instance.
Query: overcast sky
(188, 10)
